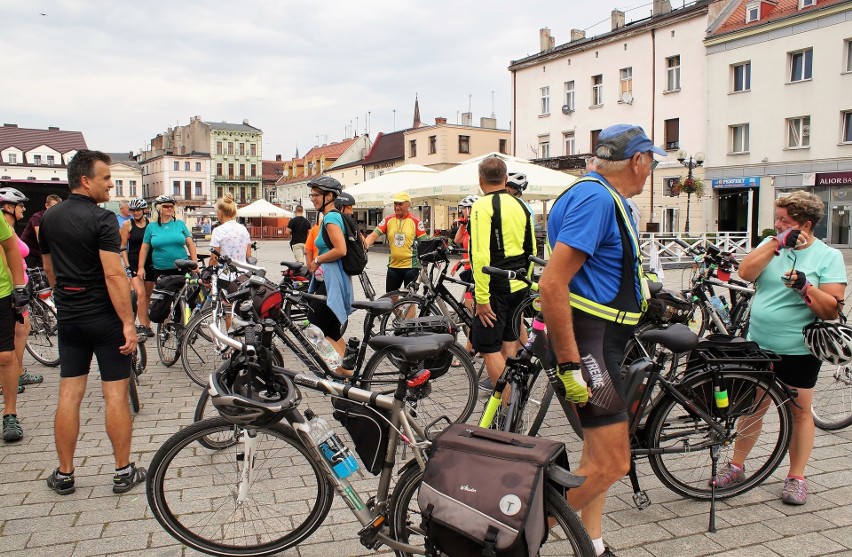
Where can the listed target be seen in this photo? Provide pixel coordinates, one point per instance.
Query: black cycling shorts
(396, 278)
(798, 370)
(488, 340)
(151, 275)
(601, 344)
(7, 324)
(102, 338)
(322, 316)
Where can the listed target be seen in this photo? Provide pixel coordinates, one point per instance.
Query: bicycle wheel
(832, 406)
(672, 427)
(43, 342)
(534, 410)
(198, 352)
(169, 336)
(132, 387)
(453, 394)
(193, 492)
(698, 319)
(566, 537)
(406, 308)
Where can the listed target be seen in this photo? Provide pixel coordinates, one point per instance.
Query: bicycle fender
(563, 477)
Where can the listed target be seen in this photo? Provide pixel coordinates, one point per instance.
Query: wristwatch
(316, 261)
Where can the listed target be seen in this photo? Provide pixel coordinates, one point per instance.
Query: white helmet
(138, 203)
(164, 199)
(517, 181)
(468, 201)
(12, 196)
(830, 342)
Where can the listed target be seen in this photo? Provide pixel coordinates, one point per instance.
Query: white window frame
(569, 140)
(752, 12)
(132, 187)
(597, 90)
(37, 159)
(625, 82)
(791, 57)
(744, 140)
(846, 127)
(746, 69)
(176, 188)
(545, 100)
(119, 188)
(798, 132)
(13, 158)
(544, 147)
(673, 73)
(807, 3)
(570, 95)
(847, 56)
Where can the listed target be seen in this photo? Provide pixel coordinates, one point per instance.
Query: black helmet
(344, 200)
(326, 184)
(250, 401)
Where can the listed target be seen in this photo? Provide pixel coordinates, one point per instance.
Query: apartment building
(126, 176)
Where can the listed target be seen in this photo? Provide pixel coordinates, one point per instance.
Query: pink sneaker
(730, 475)
(795, 492)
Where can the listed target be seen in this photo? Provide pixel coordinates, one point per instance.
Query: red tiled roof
(272, 170)
(27, 139)
(388, 146)
(770, 11)
(330, 151)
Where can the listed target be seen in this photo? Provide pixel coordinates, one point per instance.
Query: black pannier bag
(369, 429)
(483, 492)
(163, 296)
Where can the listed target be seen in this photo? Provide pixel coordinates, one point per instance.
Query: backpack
(355, 260)
(483, 492)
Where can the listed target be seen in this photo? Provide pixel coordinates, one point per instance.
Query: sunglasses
(654, 162)
(791, 255)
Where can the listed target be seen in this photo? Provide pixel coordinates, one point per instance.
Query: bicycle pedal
(368, 535)
(641, 500)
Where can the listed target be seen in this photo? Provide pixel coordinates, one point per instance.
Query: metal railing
(673, 255)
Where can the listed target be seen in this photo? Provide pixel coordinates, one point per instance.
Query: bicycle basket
(667, 307)
(267, 300)
(369, 428)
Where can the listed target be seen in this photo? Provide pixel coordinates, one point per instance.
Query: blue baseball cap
(622, 141)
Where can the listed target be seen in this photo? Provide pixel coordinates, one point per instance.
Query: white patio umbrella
(453, 184)
(263, 208)
(377, 192)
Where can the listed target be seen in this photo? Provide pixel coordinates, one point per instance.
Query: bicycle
(42, 342)
(186, 302)
(244, 511)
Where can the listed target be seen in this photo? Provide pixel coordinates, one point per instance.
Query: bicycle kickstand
(714, 461)
(640, 498)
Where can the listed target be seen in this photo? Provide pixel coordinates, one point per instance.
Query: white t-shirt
(230, 239)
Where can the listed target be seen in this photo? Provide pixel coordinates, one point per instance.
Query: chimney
(661, 7)
(617, 19)
(440, 120)
(545, 40)
(488, 123)
(577, 35)
(53, 128)
(245, 121)
(467, 119)
(10, 125)
(277, 158)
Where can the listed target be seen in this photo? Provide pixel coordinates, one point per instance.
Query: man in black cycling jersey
(591, 296)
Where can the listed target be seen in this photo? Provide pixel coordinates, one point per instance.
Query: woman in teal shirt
(168, 240)
(797, 280)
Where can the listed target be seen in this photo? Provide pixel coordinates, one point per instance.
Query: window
(176, 165)
(801, 65)
(673, 134)
(847, 55)
(253, 192)
(739, 138)
(50, 160)
(433, 144)
(187, 189)
(673, 73)
(741, 74)
(176, 188)
(230, 147)
(253, 170)
(752, 12)
(504, 145)
(570, 147)
(798, 132)
(218, 169)
(846, 132)
(119, 187)
(569, 96)
(132, 188)
(198, 189)
(231, 171)
(253, 149)
(198, 167)
(545, 100)
(806, 3)
(544, 147)
(597, 90)
(13, 158)
(186, 166)
(242, 172)
(626, 90)
(36, 159)
(242, 148)
(593, 140)
(218, 147)
(220, 192)
(464, 144)
(412, 148)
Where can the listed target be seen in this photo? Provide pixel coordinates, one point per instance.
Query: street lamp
(690, 163)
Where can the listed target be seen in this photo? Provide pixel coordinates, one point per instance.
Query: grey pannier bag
(483, 492)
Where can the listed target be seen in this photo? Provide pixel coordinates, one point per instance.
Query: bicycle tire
(220, 526)
(832, 404)
(43, 340)
(406, 308)
(405, 519)
(541, 409)
(688, 473)
(133, 390)
(197, 351)
(697, 321)
(169, 334)
(453, 394)
(740, 318)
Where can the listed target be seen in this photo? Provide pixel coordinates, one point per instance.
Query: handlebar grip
(495, 272)
(538, 260)
(682, 244)
(314, 297)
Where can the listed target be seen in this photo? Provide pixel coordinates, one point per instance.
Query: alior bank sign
(834, 179)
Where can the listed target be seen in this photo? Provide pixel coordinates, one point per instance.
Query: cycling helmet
(517, 181)
(344, 200)
(830, 342)
(164, 199)
(326, 184)
(11, 195)
(468, 201)
(138, 203)
(250, 401)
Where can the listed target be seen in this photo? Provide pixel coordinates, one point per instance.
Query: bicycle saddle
(292, 265)
(186, 265)
(377, 307)
(414, 348)
(655, 287)
(677, 338)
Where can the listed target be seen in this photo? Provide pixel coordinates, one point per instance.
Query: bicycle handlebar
(228, 341)
(537, 260)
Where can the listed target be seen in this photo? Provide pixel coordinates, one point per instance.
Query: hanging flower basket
(691, 186)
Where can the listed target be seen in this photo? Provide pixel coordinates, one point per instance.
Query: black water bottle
(350, 357)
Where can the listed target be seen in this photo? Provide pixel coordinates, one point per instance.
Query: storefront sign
(744, 182)
(834, 179)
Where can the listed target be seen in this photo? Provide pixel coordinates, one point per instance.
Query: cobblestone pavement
(94, 521)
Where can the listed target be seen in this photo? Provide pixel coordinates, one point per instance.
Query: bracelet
(570, 366)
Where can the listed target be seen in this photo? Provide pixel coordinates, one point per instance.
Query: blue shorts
(78, 342)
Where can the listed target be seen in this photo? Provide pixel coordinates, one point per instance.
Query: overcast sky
(122, 72)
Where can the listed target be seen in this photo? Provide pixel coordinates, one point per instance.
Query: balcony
(237, 178)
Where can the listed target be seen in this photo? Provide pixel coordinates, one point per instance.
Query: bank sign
(744, 182)
(834, 179)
